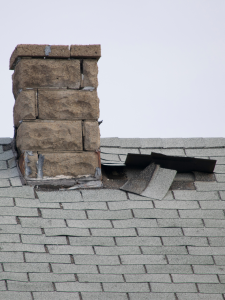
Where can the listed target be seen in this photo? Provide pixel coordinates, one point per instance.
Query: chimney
(56, 110)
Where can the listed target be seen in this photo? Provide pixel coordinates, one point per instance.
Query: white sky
(162, 69)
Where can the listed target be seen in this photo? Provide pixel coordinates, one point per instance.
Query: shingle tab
(60, 196)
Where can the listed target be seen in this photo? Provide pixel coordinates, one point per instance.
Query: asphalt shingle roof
(108, 244)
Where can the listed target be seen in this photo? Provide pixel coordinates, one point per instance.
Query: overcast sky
(162, 70)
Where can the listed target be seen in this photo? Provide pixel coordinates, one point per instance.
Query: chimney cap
(54, 51)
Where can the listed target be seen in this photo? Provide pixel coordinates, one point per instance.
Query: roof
(110, 244)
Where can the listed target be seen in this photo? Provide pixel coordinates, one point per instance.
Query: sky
(162, 70)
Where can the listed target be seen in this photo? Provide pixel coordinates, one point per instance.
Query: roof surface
(109, 244)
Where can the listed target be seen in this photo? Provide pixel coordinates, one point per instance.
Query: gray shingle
(103, 296)
(186, 296)
(202, 214)
(26, 267)
(86, 205)
(117, 250)
(46, 257)
(135, 223)
(211, 288)
(155, 213)
(60, 196)
(212, 204)
(206, 152)
(122, 269)
(152, 296)
(103, 195)
(173, 152)
(109, 215)
(126, 287)
(71, 268)
(206, 250)
(42, 239)
(13, 247)
(111, 150)
(67, 249)
(110, 142)
(194, 195)
(3, 165)
(96, 260)
(62, 214)
(9, 173)
(173, 287)
(176, 204)
(130, 204)
(67, 231)
(164, 250)
(42, 223)
(204, 231)
(17, 192)
(6, 155)
(4, 183)
(55, 296)
(143, 259)
(29, 286)
(209, 186)
(183, 142)
(110, 157)
(51, 277)
(100, 278)
(179, 241)
(168, 269)
(89, 223)
(12, 163)
(7, 295)
(78, 287)
(11, 257)
(6, 202)
(160, 232)
(9, 238)
(92, 241)
(219, 169)
(147, 278)
(7, 220)
(138, 241)
(19, 211)
(114, 232)
(190, 259)
(217, 241)
(207, 269)
(179, 278)
(5, 140)
(18, 229)
(35, 203)
(180, 223)
(13, 276)
(15, 181)
(220, 177)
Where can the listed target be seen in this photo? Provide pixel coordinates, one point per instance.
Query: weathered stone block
(36, 73)
(49, 135)
(27, 164)
(68, 104)
(85, 51)
(70, 164)
(25, 107)
(90, 73)
(23, 50)
(91, 135)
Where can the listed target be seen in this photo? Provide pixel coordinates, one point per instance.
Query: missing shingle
(46, 249)
(72, 259)
(67, 240)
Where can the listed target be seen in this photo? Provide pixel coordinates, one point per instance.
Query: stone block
(90, 73)
(25, 107)
(64, 104)
(91, 135)
(49, 135)
(70, 164)
(85, 51)
(36, 73)
(24, 50)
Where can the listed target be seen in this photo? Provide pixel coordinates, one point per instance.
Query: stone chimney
(56, 110)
